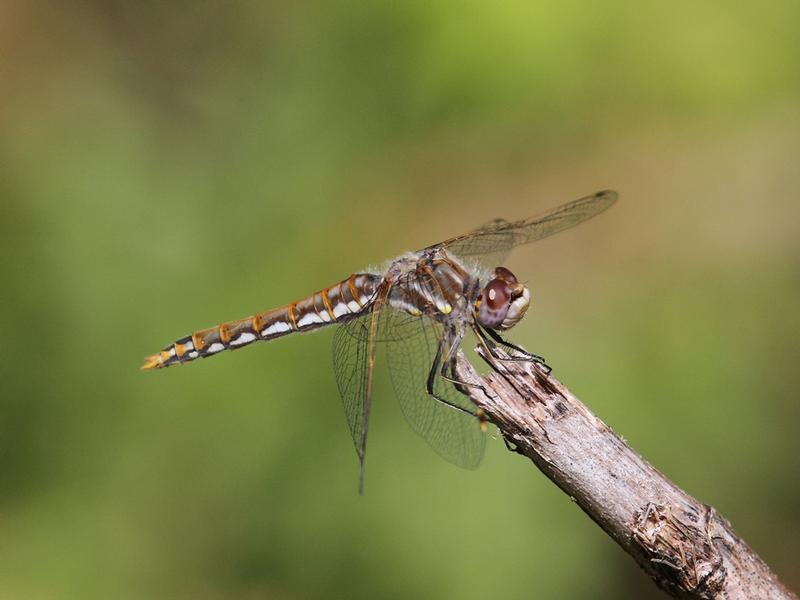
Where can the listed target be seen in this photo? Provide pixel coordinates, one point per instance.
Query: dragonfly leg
(449, 366)
(487, 345)
(458, 382)
(496, 339)
(435, 372)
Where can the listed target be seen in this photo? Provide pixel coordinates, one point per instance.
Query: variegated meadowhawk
(420, 308)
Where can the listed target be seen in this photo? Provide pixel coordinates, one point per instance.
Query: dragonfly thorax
(503, 301)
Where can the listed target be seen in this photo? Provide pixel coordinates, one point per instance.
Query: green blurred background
(167, 166)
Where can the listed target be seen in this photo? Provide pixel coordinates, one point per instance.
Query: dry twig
(688, 548)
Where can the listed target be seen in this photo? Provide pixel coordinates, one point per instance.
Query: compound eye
(495, 300)
(497, 294)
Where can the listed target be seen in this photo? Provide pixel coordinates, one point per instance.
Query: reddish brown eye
(497, 294)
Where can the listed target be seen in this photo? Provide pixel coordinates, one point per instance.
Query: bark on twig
(688, 548)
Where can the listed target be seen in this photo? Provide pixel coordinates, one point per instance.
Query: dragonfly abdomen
(337, 303)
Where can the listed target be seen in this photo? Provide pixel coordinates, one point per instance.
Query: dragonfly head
(503, 301)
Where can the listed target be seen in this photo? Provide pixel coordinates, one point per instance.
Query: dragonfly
(420, 308)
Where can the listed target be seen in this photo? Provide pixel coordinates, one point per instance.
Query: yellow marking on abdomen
(151, 362)
(314, 306)
(351, 283)
(290, 310)
(326, 301)
(197, 341)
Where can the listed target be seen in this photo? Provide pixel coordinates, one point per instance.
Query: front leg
(497, 340)
(449, 364)
(435, 372)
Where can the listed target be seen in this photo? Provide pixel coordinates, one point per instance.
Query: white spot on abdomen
(245, 338)
(277, 327)
(309, 319)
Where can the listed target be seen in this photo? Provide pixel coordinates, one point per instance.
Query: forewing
(490, 244)
(453, 434)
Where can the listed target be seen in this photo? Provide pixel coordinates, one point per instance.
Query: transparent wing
(491, 243)
(353, 366)
(411, 342)
(390, 327)
(453, 434)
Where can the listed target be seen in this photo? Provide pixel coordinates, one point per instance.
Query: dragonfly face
(503, 301)
(420, 309)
